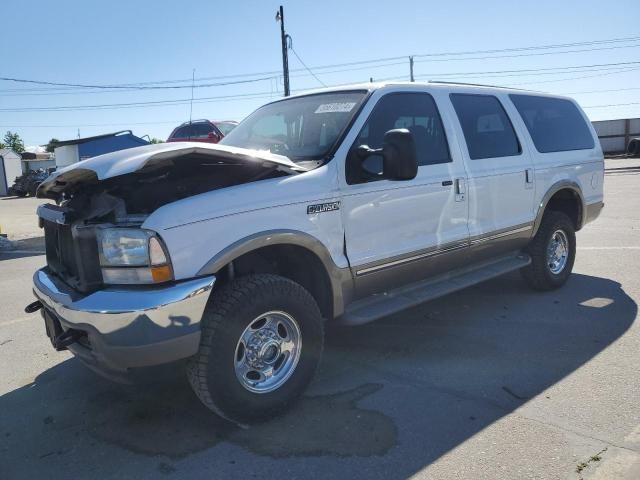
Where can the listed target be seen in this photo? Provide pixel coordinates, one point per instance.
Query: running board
(384, 304)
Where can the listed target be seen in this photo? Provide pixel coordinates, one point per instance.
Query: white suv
(344, 205)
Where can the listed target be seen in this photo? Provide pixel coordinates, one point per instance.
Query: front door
(399, 231)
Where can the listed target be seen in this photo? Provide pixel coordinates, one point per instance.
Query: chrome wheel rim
(268, 352)
(558, 252)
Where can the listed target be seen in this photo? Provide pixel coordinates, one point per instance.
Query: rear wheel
(553, 252)
(262, 339)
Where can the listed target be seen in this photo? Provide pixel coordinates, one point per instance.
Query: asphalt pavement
(495, 381)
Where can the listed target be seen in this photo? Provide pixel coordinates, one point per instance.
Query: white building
(10, 168)
(614, 135)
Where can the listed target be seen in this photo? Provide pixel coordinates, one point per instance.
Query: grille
(59, 247)
(72, 255)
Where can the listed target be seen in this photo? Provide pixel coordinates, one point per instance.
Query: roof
(78, 141)
(371, 86)
(4, 152)
(204, 120)
(36, 156)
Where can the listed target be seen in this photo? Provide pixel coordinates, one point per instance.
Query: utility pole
(285, 57)
(411, 68)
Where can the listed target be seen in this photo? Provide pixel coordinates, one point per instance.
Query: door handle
(529, 178)
(528, 175)
(447, 183)
(460, 189)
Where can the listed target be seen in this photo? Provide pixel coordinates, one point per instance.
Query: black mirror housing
(399, 155)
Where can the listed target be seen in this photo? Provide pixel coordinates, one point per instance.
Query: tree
(13, 141)
(52, 145)
(156, 140)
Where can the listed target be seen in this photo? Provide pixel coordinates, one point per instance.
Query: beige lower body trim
(447, 248)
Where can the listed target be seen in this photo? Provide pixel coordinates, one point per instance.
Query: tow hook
(62, 341)
(33, 307)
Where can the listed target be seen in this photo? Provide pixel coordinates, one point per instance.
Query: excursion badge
(323, 207)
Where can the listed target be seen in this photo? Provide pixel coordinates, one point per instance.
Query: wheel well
(568, 202)
(290, 261)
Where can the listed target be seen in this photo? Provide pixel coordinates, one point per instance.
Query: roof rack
(189, 122)
(444, 82)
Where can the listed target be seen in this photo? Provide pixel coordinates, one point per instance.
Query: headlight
(132, 256)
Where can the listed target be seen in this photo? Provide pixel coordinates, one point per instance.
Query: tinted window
(416, 112)
(196, 130)
(182, 132)
(486, 126)
(200, 130)
(555, 124)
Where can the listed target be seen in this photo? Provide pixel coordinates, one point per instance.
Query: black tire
(539, 274)
(211, 372)
(21, 193)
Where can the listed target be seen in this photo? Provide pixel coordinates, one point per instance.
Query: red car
(201, 131)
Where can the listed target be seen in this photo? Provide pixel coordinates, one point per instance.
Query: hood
(149, 157)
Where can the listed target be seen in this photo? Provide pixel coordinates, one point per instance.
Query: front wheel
(553, 251)
(262, 339)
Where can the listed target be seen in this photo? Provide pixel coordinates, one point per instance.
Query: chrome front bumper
(129, 327)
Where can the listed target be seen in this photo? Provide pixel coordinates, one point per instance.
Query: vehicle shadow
(396, 394)
(25, 247)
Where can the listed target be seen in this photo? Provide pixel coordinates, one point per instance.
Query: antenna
(193, 80)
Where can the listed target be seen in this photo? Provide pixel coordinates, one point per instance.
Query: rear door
(500, 174)
(401, 231)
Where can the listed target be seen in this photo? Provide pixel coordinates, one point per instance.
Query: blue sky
(118, 42)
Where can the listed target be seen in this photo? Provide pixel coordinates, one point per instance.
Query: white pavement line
(609, 248)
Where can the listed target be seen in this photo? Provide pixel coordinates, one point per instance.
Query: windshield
(302, 128)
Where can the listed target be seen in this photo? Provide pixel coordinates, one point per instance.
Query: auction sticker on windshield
(335, 107)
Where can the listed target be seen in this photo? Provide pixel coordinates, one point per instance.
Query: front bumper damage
(118, 328)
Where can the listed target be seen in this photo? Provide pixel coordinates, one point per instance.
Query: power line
(155, 103)
(495, 73)
(305, 66)
(603, 91)
(161, 84)
(614, 72)
(534, 70)
(538, 47)
(131, 86)
(527, 54)
(172, 122)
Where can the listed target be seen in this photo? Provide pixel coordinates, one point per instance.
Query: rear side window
(486, 126)
(555, 124)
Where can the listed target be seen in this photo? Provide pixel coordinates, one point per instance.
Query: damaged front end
(120, 190)
(108, 293)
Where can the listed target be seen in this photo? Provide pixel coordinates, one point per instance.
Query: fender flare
(339, 278)
(555, 188)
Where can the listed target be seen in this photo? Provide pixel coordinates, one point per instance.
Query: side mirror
(396, 160)
(399, 155)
